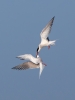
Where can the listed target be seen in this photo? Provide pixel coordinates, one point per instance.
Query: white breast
(44, 42)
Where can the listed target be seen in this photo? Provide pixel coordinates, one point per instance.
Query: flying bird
(33, 63)
(45, 36)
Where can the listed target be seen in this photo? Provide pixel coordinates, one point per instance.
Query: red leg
(49, 47)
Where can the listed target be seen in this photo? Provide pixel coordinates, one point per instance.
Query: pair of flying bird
(36, 62)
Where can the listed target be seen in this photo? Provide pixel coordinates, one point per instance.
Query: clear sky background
(21, 22)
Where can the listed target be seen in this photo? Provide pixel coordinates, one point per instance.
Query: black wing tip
(53, 17)
(20, 58)
(13, 68)
(16, 57)
(17, 68)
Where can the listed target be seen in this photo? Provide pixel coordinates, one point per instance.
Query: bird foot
(49, 47)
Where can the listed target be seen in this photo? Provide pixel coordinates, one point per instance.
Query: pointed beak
(44, 64)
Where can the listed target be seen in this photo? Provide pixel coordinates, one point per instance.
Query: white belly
(44, 43)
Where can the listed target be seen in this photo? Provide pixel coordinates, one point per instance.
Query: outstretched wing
(45, 32)
(25, 57)
(26, 65)
(30, 58)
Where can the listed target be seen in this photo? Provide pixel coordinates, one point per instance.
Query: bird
(33, 63)
(45, 37)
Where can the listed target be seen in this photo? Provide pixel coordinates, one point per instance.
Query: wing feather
(25, 57)
(45, 32)
(30, 58)
(41, 69)
(26, 65)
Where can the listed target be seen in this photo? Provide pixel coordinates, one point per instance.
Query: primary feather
(45, 32)
(26, 65)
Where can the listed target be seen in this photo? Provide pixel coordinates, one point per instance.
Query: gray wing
(45, 32)
(26, 65)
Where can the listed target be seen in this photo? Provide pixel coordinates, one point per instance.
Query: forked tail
(52, 42)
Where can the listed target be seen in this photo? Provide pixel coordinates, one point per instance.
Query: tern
(45, 36)
(33, 63)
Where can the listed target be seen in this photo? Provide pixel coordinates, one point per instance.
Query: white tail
(52, 42)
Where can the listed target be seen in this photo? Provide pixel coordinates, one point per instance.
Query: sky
(21, 22)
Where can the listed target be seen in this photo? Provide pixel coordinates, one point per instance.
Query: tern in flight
(45, 37)
(33, 63)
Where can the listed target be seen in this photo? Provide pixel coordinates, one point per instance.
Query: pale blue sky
(21, 22)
